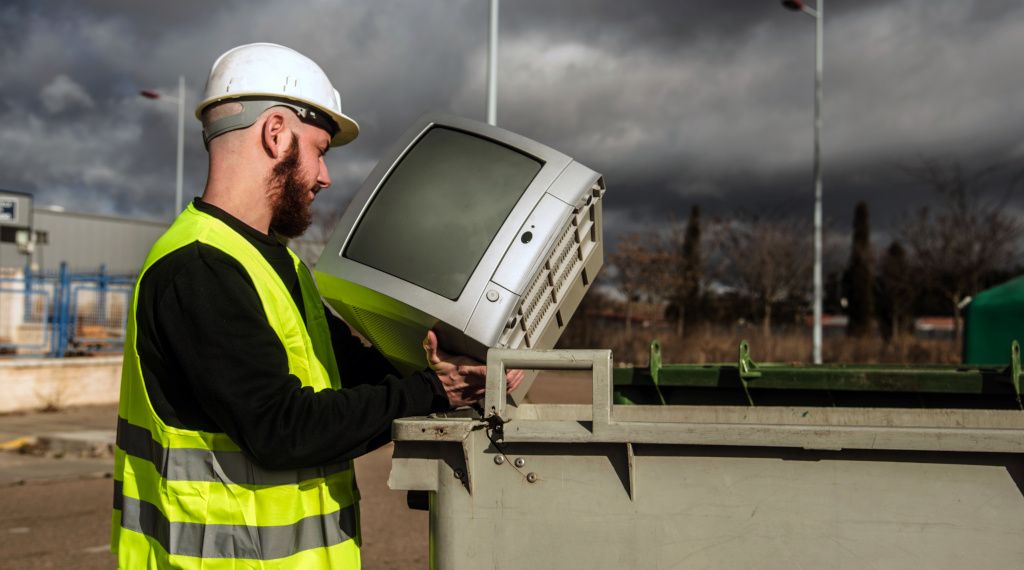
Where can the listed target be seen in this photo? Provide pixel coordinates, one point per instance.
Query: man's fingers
(430, 348)
(470, 394)
(471, 370)
(514, 379)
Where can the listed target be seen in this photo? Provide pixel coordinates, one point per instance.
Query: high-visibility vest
(191, 499)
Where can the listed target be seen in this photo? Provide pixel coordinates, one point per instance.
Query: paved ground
(55, 511)
(76, 438)
(55, 504)
(56, 524)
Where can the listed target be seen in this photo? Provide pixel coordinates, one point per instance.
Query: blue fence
(63, 313)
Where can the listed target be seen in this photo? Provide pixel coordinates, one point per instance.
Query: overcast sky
(675, 102)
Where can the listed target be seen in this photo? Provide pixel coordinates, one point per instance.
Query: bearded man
(235, 437)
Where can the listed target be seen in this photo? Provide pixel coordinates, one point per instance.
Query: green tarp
(994, 319)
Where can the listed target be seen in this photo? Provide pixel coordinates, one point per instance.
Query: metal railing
(63, 313)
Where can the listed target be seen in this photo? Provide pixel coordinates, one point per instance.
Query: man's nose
(324, 177)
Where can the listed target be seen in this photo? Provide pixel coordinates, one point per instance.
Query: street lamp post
(492, 67)
(180, 101)
(819, 15)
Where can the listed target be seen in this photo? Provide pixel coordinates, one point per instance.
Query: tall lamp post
(492, 67)
(180, 101)
(819, 15)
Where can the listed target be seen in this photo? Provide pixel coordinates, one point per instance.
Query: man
(235, 439)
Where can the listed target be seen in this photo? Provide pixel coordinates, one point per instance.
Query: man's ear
(273, 134)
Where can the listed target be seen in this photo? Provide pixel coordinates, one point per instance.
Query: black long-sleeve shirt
(211, 361)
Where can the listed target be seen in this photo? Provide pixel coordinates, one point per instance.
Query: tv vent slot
(540, 307)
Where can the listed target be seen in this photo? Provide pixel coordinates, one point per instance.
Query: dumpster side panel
(601, 505)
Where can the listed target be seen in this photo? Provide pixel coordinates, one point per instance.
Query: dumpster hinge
(1015, 371)
(747, 369)
(654, 368)
(503, 457)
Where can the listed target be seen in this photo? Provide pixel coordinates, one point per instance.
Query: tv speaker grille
(391, 337)
(545, 295)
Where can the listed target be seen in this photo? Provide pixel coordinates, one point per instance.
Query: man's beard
(291, 208)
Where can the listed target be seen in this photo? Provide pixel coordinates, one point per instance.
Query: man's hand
(463, 378)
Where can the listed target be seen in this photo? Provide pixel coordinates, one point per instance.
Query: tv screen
(440, 208)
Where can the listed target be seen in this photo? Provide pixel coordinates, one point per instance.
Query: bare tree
(967, 236)
(895, 292)
(587, 327)
(639, 261)
(770, 259)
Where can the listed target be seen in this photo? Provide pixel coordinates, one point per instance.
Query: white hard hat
(264, 75)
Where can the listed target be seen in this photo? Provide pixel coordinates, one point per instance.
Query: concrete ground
(55, 502)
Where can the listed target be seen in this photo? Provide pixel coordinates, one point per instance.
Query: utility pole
(180, 101)
(492, 67)
(181, 145)
(819, 17)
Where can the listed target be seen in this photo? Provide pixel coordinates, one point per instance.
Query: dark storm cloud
(681, 107)
(673, 26)
(118, 154)
(661, 25)
(675, 102)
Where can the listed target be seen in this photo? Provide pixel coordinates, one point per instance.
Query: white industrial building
(103, 254)
(84, 241)
(87, 241)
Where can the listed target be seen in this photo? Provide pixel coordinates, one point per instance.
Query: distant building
(83, 241)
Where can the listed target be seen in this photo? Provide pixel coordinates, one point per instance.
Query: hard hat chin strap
(251, 111)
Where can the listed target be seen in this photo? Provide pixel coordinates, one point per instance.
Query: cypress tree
(693, 265)
(689, 268)
(859, 280)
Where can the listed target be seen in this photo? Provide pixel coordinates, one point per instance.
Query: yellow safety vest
(192, 499)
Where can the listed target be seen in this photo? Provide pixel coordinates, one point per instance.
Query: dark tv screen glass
(436, 214)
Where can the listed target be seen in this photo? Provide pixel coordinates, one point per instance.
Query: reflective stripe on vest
(231, 467)
(234, 541)
(193, 499)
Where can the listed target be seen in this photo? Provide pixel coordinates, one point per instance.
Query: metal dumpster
(715, 485)
(745, 382)
(991, 320)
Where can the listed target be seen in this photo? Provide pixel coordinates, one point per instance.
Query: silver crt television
(488, 237)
